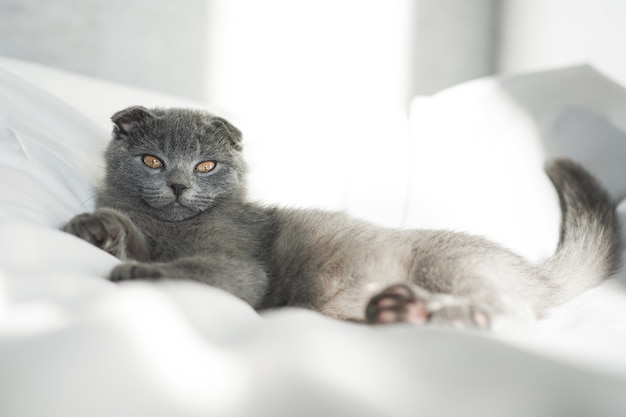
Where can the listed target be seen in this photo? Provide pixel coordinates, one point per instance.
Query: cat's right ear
(223, 128)
(126, 120)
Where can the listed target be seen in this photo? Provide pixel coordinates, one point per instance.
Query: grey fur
(325, 261)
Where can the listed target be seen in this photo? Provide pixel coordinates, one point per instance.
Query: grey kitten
(174, 206)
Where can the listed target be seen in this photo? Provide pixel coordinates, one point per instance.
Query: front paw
(136, 270)
(105, 229)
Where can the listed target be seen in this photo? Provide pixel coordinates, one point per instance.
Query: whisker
(84, 203)
(98, 191)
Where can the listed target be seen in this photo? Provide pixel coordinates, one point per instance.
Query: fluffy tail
(590, 245)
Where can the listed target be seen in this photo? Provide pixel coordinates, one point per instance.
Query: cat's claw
(401, 304)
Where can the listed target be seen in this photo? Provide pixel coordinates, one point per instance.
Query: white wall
(537, 34)
(453, 41)
(250, 53)
(322, 54)
(346, 53)
(157, 44)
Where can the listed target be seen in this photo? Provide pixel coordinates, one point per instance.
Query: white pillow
(479, 150)
(50, 159)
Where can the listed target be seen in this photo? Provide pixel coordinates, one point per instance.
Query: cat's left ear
(126, 120)
(223, 128)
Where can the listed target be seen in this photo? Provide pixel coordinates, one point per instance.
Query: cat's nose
(178, 189)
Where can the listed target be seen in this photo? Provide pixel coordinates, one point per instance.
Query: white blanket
(74, 344)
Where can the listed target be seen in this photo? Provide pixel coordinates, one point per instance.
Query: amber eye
(206, 166)
(152, 161)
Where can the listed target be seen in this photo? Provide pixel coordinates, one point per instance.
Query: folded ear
(126, 120)
(223, 128)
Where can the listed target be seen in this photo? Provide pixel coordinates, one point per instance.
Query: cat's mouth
(179, 205)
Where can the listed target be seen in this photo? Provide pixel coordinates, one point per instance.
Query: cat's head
(172, 163)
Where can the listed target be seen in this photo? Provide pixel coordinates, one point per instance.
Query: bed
(469, 158)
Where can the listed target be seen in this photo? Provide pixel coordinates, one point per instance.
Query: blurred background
(310, 81)
(285, 57)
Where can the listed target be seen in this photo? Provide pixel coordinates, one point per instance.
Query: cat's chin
(175, 213)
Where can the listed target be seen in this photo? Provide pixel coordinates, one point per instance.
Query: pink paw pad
(396, 304)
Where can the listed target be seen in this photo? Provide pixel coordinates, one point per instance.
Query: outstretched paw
(402, 304)
(136, 270)
(104, 228)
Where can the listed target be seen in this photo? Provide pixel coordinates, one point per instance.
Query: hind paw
(402, 304)
(396, 304)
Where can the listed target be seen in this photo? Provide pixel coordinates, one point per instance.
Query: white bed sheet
(74, 344)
